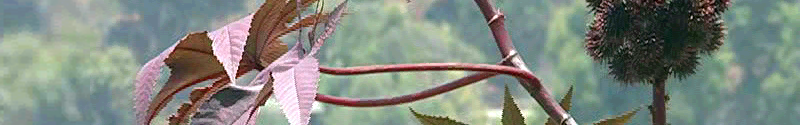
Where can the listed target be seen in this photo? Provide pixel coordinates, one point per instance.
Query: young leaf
(434, 120)
(269, 24)
(330, 26)
(195, 97)
(296, 77)
(198, 96)
(619, 119)
(228, 44)
(268, 20)
(191, 62)
(226, 106)
(246, 119)
(288, 92)
(263, 79)
(566, 103)
(306, 21)
(144, 82)
(511, 113)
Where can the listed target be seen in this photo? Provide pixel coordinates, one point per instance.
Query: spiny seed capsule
(643, 39)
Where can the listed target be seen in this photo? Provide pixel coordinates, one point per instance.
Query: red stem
(659, 111)
(351, 102)
(488, 71)
(507, 49)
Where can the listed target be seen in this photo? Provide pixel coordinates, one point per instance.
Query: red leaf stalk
(353, 102)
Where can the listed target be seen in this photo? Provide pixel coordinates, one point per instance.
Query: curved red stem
(353, 102)
(486, 69)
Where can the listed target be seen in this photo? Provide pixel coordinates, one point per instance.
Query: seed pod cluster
(643, 39)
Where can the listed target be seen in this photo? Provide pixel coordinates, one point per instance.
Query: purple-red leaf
(236, 109)
(144, 82)
(330, 26)
(269, 24)
(248, 119)
(296, 88)
(190, 61)
(226, 106)
(262, 79)
(228, 44)
(197, 97)
(193, 59)
(306, 21)
(296, 76)
(285, 87)
(201, 95)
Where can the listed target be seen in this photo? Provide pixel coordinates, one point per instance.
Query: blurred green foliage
(71, 61)
(53, 82)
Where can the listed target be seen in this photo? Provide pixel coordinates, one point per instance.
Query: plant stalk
(446, 87)
(356, 102)
(659, 110)
(495, 19)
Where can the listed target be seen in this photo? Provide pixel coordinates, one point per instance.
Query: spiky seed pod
(707, 27)
(593, 5)
(596, 34)
(644, 39)
(721, 5)
(607, 31)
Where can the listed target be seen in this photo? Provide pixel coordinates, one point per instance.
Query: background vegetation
(72, 61)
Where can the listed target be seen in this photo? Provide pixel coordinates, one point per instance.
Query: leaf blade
(330, 26)
(566, 103)
(285, 85)
(511, 113)
(296, 78)
(226, 106)
(264, 79)
(434, 120)
(191, 62)
(199, 96)
(228, 44)
(184, 58)
(619, 119)
(196, 100)
(145, 81)
(269, 24)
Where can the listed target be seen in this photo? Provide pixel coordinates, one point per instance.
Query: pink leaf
(144, 82)
(249, 119)
(191, 61)
(228, 44)
(306, 79)
(296, 77)
(262, 79)
(227, 106)
(330, 26)
(237, 105)
(286, 88)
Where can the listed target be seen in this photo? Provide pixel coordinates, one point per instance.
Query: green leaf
(619, 119)
(511, 113)
(566, 103)
(434, 120)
